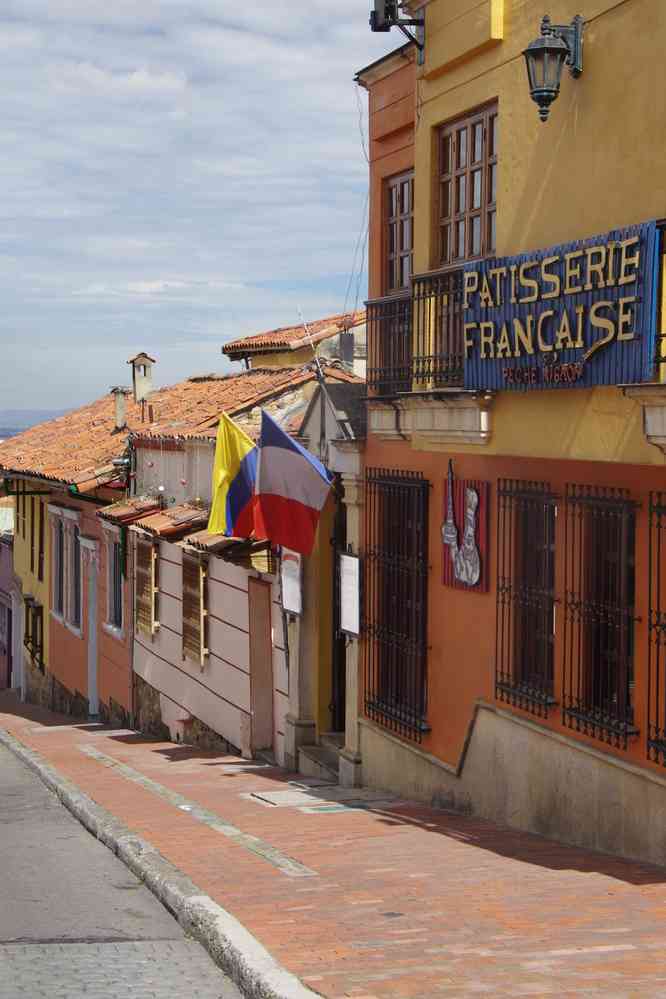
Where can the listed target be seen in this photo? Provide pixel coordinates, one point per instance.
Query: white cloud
(173, 175)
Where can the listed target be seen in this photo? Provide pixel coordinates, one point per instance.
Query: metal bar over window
(525, 621)
(656, 733)
(598, 675)
(390, 345)
(396, 601)
(438, 330)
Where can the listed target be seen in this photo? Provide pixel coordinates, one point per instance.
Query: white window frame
(113, 537)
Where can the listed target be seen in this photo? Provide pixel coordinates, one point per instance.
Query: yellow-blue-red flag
(234, 475)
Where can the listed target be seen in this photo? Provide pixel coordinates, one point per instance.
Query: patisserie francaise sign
(580, 314)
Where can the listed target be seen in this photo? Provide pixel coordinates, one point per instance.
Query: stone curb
(231, 946)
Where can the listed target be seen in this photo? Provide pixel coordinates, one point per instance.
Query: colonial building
(512, 661)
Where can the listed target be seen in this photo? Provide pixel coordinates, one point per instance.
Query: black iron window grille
(438, 330)
(33, 631)
(656, 736)
(599, 619)
(525, 622)
(390, 345)
(396, 601)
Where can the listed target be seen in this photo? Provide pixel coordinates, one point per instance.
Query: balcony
(415, 340)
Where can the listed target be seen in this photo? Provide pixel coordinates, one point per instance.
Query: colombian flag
(234, 476)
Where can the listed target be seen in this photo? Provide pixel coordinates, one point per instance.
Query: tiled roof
(293, 337)
(80, 446)
(129, 510)
(173, 522)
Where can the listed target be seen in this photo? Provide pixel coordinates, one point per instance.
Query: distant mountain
(21, 419)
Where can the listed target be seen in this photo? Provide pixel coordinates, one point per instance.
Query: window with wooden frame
(147, 587)
(195, 609)
(525, 623)
(32, 534)
(468, 187)
(599, 616)
(33, 631)
(398, 231)
(42, 540)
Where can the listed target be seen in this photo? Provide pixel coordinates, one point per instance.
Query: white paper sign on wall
(291, 575)
(350, 595)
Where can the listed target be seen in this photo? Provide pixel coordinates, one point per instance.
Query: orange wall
(461, 624)
(391, 111)
(68, 660)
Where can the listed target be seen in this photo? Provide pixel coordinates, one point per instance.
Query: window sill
(113, 631)
(75, 629)
(57, 617)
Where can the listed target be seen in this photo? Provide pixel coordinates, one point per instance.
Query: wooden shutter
(194, 610)
(40, 556)
(146, 588)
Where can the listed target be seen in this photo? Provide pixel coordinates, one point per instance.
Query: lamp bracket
(572, 36)
(390, 18)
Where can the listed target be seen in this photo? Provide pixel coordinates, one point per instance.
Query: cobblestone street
(74, 921)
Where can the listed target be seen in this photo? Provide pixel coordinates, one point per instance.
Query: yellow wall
(598, 163)
(283, 359)
(31, 585)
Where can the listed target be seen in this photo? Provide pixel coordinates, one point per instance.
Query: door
(261, 665)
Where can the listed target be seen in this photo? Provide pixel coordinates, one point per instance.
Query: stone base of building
(517, 774)
(298, 732)
(153, 716)
(42, 687)
(114, 714)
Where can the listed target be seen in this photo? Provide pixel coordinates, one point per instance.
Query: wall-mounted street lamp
(557, 45)
(385, 14)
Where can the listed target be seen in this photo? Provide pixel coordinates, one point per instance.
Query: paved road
(74, 921)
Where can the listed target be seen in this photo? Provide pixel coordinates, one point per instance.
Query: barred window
(33, 631)
(396, 601)
(115, 584)
(147, 591)
(468, 186)
(59, 567)
(74, 603)
(656, 735)
(599, 613)
(525, 621)
(195, 610)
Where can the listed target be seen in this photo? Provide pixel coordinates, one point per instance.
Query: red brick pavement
(404, 901)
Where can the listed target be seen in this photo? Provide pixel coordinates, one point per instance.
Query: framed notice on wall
(350, 595)
(291, 582)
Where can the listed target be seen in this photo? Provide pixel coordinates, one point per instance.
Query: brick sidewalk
(391, 899)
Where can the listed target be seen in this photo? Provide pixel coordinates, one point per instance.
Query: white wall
(186, 475)
(218, 694)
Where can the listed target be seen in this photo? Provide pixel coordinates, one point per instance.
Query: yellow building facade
(511, 661)
(32, 545)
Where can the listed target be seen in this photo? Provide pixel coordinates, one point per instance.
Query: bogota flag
(234, 476)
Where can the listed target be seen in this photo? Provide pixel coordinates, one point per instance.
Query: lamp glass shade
(545, 58)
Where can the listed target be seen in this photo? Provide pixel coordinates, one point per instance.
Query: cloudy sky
(174, 173)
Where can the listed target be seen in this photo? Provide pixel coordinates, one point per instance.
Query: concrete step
(318, 761)
(332, 740)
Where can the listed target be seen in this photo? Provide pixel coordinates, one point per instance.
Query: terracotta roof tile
(174, 522)
(80, 446)
(129, 510)
(293, 337)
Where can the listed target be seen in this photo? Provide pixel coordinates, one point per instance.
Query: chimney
(142, 376)
(121, 406)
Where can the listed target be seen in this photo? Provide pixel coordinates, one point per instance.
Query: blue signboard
(580, 314)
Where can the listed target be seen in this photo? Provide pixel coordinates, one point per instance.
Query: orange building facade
(512, 661)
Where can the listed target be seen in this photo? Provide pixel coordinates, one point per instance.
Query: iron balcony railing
(415, 340)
